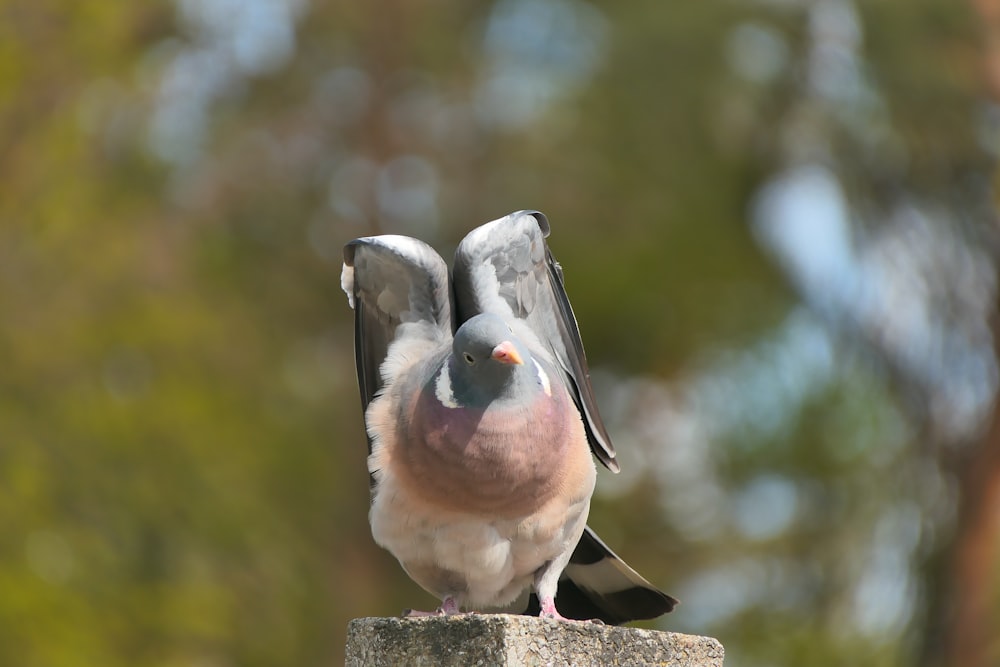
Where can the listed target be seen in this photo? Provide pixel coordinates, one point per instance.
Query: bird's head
(488, 360)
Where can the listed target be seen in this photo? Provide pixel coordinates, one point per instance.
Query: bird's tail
(597, 584)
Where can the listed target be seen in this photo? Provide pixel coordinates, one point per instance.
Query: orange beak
(506, 353)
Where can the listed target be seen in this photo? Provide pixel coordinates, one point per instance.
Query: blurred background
(777, 226)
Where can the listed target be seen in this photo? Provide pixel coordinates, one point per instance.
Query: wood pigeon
(481, 422)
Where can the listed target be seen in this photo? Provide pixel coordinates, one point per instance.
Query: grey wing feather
(505, 267)
(399, 289)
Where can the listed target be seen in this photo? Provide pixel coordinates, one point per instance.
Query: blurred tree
(963, 607)
(777, 230)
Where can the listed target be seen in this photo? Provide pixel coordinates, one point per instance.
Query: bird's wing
(505, 267)
(401, 295)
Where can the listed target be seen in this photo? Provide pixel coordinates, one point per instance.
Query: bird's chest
(496, 460)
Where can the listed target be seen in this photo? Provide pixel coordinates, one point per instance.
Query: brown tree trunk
(962, 629)
(971, 635)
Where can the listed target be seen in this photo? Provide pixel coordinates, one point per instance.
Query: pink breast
(502, 461)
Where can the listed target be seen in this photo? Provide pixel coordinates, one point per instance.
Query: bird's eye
(469, 359)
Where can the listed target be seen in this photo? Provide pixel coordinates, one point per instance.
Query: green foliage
(182, 459)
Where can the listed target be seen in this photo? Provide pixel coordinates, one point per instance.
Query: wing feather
(401, 295)
(505, 267)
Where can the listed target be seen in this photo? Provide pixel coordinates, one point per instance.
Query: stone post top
(504, 640)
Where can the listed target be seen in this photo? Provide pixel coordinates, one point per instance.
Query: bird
(483, 427)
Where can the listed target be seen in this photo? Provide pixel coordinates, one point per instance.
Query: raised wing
(505, 267)
(401, 295)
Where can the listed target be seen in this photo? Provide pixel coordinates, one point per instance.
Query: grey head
(489, 363)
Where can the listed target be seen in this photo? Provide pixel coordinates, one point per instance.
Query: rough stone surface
(488, 640)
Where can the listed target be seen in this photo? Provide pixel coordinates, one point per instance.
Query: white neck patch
(443, 390)
(544, 378)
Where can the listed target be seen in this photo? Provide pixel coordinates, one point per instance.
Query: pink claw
(548, 610)
(449, 607)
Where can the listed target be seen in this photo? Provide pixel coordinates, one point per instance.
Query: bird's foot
(417, 613)
(548, 610)
(449, 607)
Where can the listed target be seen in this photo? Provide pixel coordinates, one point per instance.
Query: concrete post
(502, 640)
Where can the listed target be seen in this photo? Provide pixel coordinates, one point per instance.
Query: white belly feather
(481, 562)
